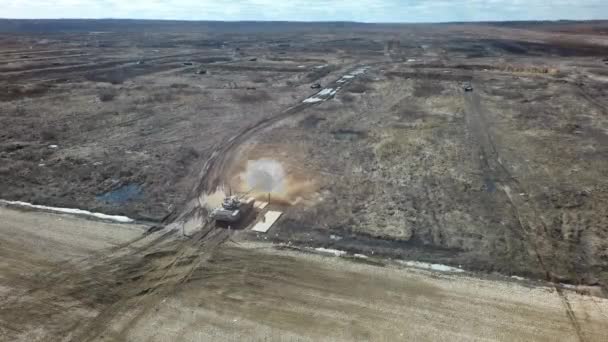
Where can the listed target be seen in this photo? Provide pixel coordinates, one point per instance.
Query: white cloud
(309, 10)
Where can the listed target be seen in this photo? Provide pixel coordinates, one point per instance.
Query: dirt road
(157, 288)
(255, 292)
(45, 258)
(216, 169)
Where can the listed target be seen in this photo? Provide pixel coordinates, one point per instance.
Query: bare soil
(69, 279)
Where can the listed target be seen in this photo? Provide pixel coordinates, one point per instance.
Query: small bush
(358, 88)
(347, 98)
(48, 135)
(186, 155)
(178, 86)
(106, 95)
(389, 149)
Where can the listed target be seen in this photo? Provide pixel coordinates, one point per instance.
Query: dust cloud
(213, 200)
(264, 177)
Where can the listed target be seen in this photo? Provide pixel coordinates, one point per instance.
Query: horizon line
(315, 21)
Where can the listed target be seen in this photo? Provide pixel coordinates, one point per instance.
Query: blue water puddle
(121, 195)
(490, 185)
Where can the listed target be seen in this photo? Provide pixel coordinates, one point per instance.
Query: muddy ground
(401, 162)
(64, 278)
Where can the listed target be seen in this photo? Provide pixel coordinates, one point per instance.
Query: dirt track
(216, 170)
(158, 289)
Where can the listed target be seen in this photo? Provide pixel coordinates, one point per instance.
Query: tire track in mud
(498, 176)
(155, 283)
(86, 283)
(60, 275)
(194, 255)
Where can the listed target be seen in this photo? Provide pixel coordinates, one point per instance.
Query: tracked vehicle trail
(497, 176)
(168, 272)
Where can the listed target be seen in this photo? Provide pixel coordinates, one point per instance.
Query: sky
(310, 10)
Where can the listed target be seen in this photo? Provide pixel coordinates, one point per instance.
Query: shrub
(347, 98)
(106, 95)
(47, 134)
(389, 149)
(358, 88)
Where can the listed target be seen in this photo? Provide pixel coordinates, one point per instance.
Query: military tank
(232, 210)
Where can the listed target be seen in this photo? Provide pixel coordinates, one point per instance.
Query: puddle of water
(121, 195)
(489, 184)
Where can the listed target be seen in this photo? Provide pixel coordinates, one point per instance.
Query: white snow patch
(360, 256)
(348, 77)
(359, 71)
(312, 100)
(53, 146)
(428, 266)
(335, 252)
(301, 66)
(326, 91)
(117, 218)
(321, 66)
(411, 60)
(518, 278)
